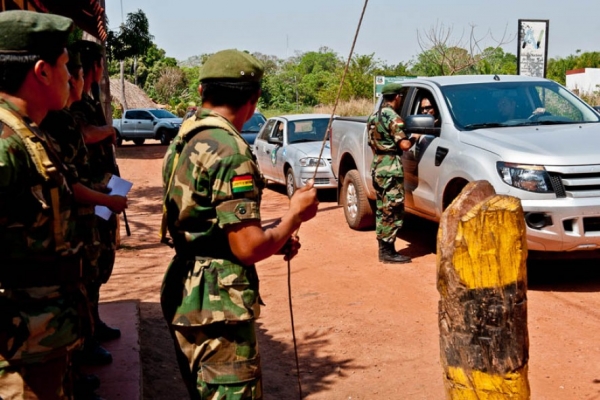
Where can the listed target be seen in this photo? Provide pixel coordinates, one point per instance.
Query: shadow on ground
(564, 275)
(161, 378)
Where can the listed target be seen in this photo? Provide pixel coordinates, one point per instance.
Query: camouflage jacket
(65, 136)
(385, 134)
(213, 183)
(40, 322)
(101, 157)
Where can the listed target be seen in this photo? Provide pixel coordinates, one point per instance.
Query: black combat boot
(388, 255)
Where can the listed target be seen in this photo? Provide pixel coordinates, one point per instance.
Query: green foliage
(306, 82)
(134, 38)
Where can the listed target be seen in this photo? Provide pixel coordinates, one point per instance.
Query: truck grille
(575, 182)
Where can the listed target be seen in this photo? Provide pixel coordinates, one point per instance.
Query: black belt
(37, 273)
(387, 153)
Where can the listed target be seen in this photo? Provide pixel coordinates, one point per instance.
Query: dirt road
(364, 330)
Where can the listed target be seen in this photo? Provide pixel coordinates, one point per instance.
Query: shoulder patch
(242, 183)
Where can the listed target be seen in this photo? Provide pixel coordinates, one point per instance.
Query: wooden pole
(482, 281)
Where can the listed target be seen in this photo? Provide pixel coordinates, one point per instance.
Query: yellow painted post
(482, 281)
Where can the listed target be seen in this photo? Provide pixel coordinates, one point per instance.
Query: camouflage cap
(391, 88)
(29, 32)
(232, 65)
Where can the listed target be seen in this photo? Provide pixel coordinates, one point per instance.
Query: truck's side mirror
(275, 140)
(421, 123)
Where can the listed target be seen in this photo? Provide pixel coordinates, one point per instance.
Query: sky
(389, 29)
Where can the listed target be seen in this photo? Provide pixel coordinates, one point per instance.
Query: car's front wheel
(290, 182)
(163, 136)
(119, 138)
(357, 208)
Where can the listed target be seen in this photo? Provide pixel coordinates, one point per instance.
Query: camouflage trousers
(219, 361)
(389, 215)
(50, 380)
(108, 246)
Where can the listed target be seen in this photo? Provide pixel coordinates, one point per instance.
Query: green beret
(87, 48)
(232, 65)
(74, 60)
(28, 32)
(391, 88)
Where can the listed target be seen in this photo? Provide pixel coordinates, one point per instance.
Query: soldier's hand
(405, 144)
(304, 202)
(291, 247)
(117, 204)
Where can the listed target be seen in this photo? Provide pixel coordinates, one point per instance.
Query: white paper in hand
(117, 186)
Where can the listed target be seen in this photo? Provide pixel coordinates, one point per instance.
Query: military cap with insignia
(231, 65)
(391, 88)
(31, 33)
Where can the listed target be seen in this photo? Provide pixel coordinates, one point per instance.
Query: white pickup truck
(545, 151)
(140, 124)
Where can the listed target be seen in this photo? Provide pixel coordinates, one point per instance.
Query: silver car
(287, 149)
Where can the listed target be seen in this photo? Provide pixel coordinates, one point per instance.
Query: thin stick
(325, 137)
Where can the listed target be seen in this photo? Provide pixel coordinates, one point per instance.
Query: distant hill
(193, 61)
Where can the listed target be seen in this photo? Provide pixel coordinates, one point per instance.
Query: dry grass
(592, 99)
(351, 108)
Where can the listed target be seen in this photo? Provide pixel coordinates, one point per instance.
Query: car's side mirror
(421, 123)
(275, 140)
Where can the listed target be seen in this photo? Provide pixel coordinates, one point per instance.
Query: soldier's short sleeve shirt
(216, 183)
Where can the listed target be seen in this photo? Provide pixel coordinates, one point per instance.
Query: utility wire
(325, 138)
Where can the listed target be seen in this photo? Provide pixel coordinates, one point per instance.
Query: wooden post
(482, 281)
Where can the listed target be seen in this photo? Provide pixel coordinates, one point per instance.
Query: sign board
(382, 80)
(532, 52)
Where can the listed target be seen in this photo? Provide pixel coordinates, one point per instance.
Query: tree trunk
(135, 70)
(123, 98)
(482, 281)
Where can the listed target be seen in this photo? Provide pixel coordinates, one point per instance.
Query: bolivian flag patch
(242, 184)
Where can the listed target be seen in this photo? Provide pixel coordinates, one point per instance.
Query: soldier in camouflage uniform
(67, 139)
(99, 139)
(40, 262)
(387, 140)
(212, 198)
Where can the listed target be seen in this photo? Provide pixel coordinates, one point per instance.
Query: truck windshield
(162, 114)
(499, 104)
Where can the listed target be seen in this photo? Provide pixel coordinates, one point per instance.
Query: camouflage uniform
(65, 137)
(386, 169)
(102, 166)
(40, 268)
(208, 298)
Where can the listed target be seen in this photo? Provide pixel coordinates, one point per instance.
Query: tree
(496, 61)
(442, 55)
(133, 40)
(170, 85)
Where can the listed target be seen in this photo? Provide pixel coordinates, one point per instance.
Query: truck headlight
(532, 178)
(312, 162)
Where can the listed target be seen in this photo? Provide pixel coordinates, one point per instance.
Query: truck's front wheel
(164, 138)
(357, 208)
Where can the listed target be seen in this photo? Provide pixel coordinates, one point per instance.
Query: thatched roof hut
(134, 96)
